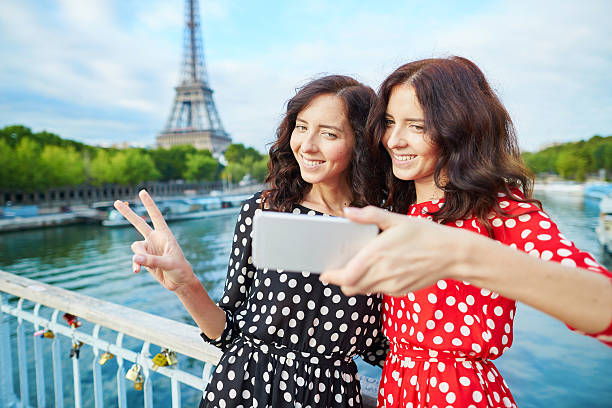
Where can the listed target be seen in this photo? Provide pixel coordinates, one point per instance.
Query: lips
(404, 157)
(311, 162)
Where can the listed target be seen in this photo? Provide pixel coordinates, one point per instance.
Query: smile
(311, 163)
(404, 157)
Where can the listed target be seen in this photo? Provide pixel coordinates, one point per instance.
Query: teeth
(405, 157)
(312, 162)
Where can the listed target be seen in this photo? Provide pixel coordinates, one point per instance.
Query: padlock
(105, 357)
(133, 373)
(160, 360)
(76, 349)
(48, 334)
(138, 383)
(171, 357)
(72, 320)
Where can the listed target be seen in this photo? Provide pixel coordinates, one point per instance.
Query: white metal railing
(181, 338)
(121, 322)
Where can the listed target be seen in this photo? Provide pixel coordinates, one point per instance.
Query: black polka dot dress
(289, 339)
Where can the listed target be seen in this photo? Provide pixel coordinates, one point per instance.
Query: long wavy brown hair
(287, 187)
(479, 154)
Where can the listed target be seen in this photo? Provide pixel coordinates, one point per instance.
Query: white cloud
(549, 62)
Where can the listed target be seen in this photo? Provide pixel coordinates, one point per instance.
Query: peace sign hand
(160, 253)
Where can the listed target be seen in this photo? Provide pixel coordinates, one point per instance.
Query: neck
(329, 198)
(427, 191)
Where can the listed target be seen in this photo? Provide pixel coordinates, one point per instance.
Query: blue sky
(104, 71)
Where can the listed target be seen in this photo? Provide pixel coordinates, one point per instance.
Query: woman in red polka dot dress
(455, 160)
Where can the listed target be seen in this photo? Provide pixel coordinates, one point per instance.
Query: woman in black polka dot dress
(290, 340)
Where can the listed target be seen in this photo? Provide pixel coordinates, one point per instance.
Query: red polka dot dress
(444, 337)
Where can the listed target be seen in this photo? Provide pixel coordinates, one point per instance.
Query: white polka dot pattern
(289, 339)
(447, 342)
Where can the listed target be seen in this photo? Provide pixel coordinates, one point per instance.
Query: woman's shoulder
(514, 204)
(253, 200)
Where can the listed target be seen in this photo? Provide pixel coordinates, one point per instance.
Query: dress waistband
(283, 352)
(412, 353)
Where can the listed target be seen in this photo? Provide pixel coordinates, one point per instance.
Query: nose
(309, 144)
(394, 138)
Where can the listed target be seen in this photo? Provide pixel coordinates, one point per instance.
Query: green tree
(8, 174)
(570, 165)
(172, 163)
(28, 167)
(13, 134)
(259, 171)
(132, 166)
(234, 153)
(100, 169)
(234, 172)
(63, 166)
(201, 166)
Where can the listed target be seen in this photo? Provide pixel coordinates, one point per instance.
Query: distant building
(194, 119)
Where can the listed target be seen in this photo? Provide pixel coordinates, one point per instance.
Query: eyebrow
(408, 119)
(323, 126)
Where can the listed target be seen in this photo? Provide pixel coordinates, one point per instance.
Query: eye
(300, 128)
(418, 128)
(389, 122)
(329, 135)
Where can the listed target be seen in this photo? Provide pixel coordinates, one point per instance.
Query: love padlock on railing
(134, 374)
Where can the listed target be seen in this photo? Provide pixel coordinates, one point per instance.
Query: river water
(548, 365)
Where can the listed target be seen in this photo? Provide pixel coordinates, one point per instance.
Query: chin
(309, 179)
(402, 175)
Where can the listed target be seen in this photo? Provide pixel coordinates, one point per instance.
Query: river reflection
(547, 366)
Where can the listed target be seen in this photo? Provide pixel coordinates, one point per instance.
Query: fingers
(352, 272)
(153, 261)
(138, 247)
(374, 215)
(156, 216)
(133, 218)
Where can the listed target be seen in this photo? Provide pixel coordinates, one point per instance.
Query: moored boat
(183, 209)
(604, 226)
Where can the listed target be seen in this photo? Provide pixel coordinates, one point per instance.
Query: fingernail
(139, 258)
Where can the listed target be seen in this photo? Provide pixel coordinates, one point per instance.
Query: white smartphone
(298, 242)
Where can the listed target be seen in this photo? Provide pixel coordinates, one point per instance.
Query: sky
(104, 71)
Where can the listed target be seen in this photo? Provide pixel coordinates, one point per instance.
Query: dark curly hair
(479, 154)
(286, 184)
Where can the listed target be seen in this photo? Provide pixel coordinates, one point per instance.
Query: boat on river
(604, 226)
(183, 209)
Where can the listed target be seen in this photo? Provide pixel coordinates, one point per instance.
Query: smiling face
(322, 141)
(413, 155)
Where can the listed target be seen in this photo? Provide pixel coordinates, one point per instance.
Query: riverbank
(75, 216)
(94, 213)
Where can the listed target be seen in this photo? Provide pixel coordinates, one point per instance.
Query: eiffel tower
(194, 119)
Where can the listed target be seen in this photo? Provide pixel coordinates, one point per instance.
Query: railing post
(206, 374)
(76, 374)
(176, 391)
(97, 372)
(39, 364)
(120, 375)
(148, 388)
(23, 360)
(58, 378)
(7, 387)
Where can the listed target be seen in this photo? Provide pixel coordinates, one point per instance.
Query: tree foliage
(574, 160)
(36, 161)
(245, 160)
(201, 166)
